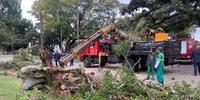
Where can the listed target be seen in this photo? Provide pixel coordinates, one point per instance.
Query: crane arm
(80, 47)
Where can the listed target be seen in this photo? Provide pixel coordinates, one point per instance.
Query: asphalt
(6, 58)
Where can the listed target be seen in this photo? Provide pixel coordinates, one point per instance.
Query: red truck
(187, 47)
(96, 49)
(97, 52)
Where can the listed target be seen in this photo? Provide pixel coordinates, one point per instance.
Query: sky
(26, 6)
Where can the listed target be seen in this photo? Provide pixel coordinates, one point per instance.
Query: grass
(10, 90)
(9, 86)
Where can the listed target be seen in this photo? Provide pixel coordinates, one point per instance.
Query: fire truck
(187, 47)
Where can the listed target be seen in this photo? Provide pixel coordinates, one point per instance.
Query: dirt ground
(178, 74)
(181, 73)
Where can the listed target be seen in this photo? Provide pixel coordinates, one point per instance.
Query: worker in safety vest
(160, 66)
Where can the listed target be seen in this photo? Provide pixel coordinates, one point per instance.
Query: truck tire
(87, 62)
(102, 64)
(103, 61)
(132, 63)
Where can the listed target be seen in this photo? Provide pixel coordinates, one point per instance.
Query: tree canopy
(15, 31)
(59, 16)
(10, 13)
(172, 15)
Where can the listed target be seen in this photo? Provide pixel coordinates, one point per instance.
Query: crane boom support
(80, 47)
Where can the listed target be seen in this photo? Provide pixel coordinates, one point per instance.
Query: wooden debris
(63, 87)
(71, 78)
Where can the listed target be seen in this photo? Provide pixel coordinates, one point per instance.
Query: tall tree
(10, 13)
(15, 31)
(57, 17)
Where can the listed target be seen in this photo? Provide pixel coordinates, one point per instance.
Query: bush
(14, 65)
(35, 50)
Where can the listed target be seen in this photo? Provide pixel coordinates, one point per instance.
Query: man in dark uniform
(196, 60)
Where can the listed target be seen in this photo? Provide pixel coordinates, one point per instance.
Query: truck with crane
(96, 49)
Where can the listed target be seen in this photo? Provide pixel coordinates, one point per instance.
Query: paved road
(6, 58)
(178, 74)
(181, 73)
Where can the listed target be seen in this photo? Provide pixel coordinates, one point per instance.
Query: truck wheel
(102, 64)
(103, 61)
(132, 63)
(87, 62)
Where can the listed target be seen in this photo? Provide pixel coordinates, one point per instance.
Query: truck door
(183, 47)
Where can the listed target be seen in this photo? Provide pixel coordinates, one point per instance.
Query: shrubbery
(35, 50)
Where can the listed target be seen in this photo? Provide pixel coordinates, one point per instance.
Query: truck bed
(171, 49)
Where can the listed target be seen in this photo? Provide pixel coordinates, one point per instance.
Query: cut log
(29, 83)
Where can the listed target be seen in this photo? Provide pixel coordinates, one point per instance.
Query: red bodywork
(187, 47)
(93, 50)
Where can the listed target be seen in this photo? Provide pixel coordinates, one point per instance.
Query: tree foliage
(60, 14)
(9, 14)
(130, 88)
(14, 30)
(172, 15)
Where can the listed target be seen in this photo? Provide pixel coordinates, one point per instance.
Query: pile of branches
(76, 84)
(125, 86)
(56, 81)
(68, 82)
